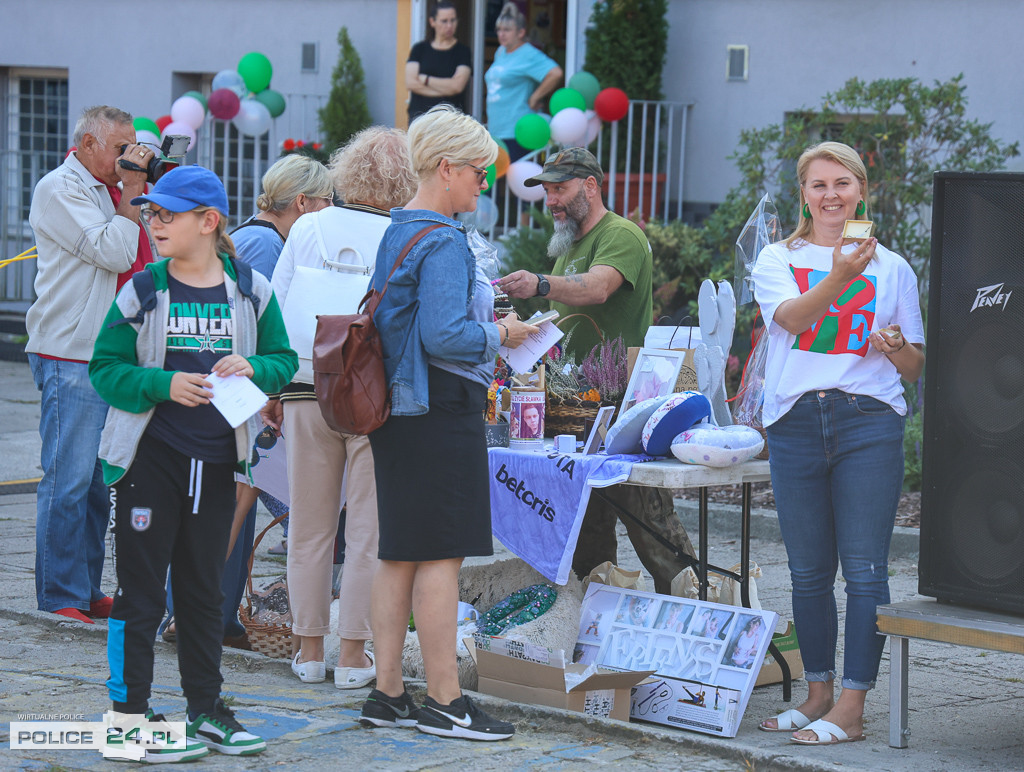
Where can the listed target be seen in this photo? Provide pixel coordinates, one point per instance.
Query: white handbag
(334, 289)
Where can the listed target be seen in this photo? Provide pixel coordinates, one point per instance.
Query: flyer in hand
(706, 656)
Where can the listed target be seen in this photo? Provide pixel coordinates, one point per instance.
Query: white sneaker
(309, 672)
(355, 677)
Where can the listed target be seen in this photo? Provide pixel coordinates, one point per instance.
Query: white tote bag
(334, 289)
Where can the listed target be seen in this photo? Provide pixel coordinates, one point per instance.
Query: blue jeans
(837, 472)
(72, 503)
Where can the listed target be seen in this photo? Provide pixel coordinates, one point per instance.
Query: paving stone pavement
(964, 703)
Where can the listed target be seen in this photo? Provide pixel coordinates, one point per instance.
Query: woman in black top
(438, 71)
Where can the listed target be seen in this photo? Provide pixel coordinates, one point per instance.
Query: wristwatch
(543, 286)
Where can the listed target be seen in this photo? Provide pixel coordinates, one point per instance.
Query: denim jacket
(424, 312)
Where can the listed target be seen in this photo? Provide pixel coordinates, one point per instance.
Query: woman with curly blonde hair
(371, 174)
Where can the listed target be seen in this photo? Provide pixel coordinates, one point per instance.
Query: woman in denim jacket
(430, 457)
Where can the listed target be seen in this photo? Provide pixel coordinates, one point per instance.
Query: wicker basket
(570, 418)
(274, 640)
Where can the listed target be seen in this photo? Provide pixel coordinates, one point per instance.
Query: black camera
(172, 150)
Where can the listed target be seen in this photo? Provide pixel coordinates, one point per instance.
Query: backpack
(145, 289)
(348, 362)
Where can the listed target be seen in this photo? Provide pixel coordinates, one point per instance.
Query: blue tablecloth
(538, 500)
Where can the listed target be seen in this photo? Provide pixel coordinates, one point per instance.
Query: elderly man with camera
(90, 241)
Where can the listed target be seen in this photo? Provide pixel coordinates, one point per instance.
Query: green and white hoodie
(126, 368)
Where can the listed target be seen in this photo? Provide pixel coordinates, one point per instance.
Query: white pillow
(717, 445)
(624, 435)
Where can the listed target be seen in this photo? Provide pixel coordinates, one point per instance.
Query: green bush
(346, 111)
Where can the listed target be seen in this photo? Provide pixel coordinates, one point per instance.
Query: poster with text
(706, 655)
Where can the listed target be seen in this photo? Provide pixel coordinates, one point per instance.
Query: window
(35, 141)
(738, 58)
(310, 57)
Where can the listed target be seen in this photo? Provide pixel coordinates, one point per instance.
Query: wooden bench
(930, 620)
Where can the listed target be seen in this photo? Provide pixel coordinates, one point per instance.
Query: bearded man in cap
(603, 270)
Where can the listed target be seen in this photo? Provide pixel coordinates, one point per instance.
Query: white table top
(675, 474)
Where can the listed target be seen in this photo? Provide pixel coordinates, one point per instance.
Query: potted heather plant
(576, 391)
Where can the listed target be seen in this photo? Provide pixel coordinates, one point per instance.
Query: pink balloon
(593, 127)
(182, 128)
(224, 104)
(188, 109)
(518, 173)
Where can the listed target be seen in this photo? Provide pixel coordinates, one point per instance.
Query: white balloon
(148, 138)
(232, 80)
(518, 173)
(486, 213)
(253, 118)
(593, 127)
(190, 110)
(569, 126)
(181, 128)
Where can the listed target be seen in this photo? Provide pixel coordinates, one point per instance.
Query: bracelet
(505, 339)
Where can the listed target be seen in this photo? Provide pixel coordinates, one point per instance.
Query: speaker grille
(972, 503)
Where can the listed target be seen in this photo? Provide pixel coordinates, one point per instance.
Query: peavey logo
(529, 498)
(990, 297)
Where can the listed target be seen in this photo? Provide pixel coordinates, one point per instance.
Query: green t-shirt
(617, 242)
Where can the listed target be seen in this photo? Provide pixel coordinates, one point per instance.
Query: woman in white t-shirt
(844, 326)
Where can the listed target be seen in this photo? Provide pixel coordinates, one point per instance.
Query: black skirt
(433, 497)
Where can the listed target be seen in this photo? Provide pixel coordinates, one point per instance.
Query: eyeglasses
(165, 215)
(481, 174)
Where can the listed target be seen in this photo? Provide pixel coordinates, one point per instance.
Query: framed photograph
(654, 375)
(599, 430)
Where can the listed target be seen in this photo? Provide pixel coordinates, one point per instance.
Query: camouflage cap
(571, 163)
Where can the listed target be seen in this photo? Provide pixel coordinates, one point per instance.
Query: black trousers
(168, 509)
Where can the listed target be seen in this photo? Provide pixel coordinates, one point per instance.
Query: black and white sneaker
(462, 718)
(220, 731)
(382, 710)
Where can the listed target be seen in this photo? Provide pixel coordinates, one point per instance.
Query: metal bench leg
(899, 728)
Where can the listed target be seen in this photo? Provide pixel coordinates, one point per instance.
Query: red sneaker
(73, 613)
(100, 609)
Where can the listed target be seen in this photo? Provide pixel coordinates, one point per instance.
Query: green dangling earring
(807, 212)
(861, 208)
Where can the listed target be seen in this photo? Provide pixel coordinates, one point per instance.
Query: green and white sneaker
(189, 750)
(220, 731)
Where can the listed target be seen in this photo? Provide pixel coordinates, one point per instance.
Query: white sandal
(790, 721)
(355, 677)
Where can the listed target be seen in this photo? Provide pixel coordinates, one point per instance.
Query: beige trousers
(317, 459)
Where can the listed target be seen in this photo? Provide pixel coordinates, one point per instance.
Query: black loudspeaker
(972, 500)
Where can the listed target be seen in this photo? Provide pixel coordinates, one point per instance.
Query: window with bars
(34, 142)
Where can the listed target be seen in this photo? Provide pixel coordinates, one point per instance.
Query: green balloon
(256, 71)
(587, 85)
(566, 97)
(492, 173)
(197, 95)
(146, 124)
(532, 131)
(273, 100)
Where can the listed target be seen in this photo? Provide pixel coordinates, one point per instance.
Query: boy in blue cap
(170, 456)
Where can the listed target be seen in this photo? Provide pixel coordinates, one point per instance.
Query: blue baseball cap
(186, 188)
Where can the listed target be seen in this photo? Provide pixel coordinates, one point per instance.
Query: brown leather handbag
(348, 362)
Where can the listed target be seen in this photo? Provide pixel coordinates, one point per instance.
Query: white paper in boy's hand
(522, 358)
(236, 397)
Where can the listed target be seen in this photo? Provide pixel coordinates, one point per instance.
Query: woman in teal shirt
(518, 81)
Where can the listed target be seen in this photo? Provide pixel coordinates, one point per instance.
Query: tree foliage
(904, 131)
(626, 45)
(346, 111)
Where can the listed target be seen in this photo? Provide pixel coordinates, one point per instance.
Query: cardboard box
(604, 693)
(789, 648)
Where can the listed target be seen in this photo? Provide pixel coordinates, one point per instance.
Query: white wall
(123, 53)
(802, 49)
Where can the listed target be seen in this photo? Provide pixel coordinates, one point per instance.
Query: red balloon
(224, 104)
(611, 104)
(162, 122)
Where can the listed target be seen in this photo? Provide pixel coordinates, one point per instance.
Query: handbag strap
(373, 301)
